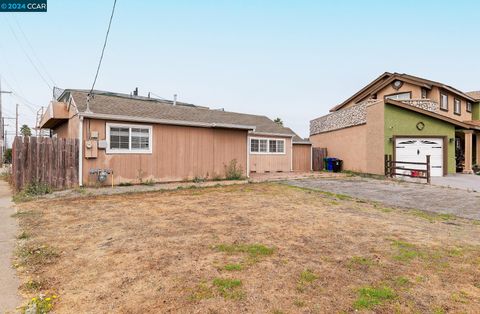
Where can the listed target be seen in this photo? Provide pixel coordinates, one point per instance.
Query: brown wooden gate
(317, 158)
(50, 161)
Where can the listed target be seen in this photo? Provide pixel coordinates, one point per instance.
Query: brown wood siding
(302, 157)
(261, 163)
(178, 153)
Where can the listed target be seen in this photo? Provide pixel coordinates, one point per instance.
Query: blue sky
(291, 59)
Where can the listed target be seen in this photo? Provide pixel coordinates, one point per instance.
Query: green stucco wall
(476, 111)
(399, 122)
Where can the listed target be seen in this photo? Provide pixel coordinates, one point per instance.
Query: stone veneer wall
(357, 115)
(425, 104)
(343, 118)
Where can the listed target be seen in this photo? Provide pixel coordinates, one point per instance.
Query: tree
(25, 130)
(278, 121)
(7, 156)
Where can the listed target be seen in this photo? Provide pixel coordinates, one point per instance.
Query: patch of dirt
(158, 253)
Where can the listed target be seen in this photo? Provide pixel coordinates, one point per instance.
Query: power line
(104, 45)
(22, 99)
(33, 51)
(26, 54)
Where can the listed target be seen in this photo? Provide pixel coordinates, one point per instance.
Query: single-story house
(142, 138)
(407, 117)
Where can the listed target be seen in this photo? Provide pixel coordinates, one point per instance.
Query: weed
(40, 304)
(202, 291)
(299, 303)
(148, 182)
(406, 251)
(306, 278)
(401, 281)
(438, 310)
(37, 255)
(233, 267)
(198, 179)
(432, 217)
(359, 261)
(229, 288)
(23, 236)
(253, 250)
(25, 213)
(233, 171)
(125, 184)
(30, 191)
(369, 297)
(455, 252)
(460, 297)
(32, 285)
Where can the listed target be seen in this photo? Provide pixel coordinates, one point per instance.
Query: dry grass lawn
(263, 248)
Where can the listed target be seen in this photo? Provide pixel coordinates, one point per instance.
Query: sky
(289, 59)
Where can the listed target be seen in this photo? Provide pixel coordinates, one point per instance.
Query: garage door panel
(416, 150)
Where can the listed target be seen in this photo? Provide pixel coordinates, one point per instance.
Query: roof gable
(387, 78)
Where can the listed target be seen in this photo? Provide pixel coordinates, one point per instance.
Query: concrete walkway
(9, 298)
(469, 182)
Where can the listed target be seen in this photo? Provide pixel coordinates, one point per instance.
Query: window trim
(459, 113)
(399, 93)
(442, 93)
(268, 146)
(109, 150)
(423, 91)
(469, 108)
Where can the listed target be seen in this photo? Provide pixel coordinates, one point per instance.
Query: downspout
(291, 155)
(80, 153)
(248, 156)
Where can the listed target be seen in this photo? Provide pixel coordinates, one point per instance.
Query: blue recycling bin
(330, 162)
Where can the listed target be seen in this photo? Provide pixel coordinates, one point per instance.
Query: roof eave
(428, 113)
(101, 116)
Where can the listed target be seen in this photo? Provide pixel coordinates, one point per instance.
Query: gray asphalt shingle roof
(105, 103)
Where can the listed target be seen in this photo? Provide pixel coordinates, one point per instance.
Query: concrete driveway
(431, 198)
(460, 181)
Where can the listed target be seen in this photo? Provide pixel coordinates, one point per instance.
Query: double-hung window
(267, 146)
(125, 138)
(443, 101)
(469, 106)
(457, 106)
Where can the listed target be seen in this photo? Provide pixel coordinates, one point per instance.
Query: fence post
(428, 169)
(386, 165)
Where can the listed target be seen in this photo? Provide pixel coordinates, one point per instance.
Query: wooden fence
(50, 161)
(392, 167)
(318, 154)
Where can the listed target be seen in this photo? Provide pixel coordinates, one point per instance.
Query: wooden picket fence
(318, 154)
(50, 161)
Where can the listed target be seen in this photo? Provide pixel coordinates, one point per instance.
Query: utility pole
(16, 121)
(2, 130)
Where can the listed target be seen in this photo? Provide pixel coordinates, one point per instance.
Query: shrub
(233, 171)
(7, 156)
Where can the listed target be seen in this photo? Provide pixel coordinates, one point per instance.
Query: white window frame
(455, 102)
(444, 105)
(268, 146)
(469, 106)
(129, 150)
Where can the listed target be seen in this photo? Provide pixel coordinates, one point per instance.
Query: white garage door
(416, 150)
